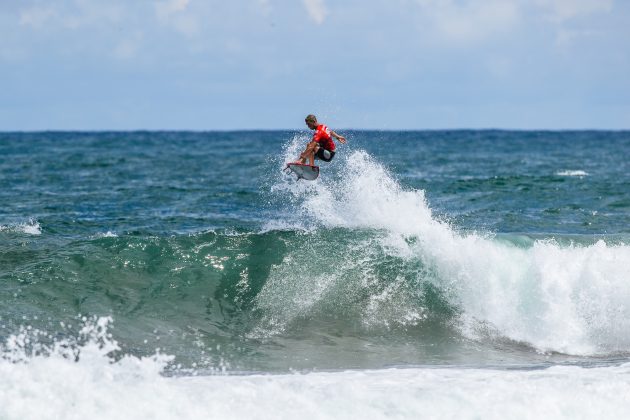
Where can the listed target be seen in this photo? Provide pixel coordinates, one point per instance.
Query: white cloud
(316, 10)
(499, 67)
(36, 16)
(187, 25)
(265, 7)
(128, 48)
(71, 14)
(561, 10)
(166, 8)
(469, 21)
(177, 14)
(89, 13)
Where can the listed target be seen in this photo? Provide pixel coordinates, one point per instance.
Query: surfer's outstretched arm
(341, 139)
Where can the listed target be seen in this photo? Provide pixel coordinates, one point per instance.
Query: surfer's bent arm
(342, 139)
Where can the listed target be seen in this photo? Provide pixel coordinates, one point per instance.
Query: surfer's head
(311, 121)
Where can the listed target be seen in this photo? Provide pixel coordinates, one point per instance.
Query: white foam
(72, 381)
(579, 173)
(31, 227)
(108, 234)
(572, 299)
(83, 381)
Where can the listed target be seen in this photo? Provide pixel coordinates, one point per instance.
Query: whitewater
(92, 385)
(571, 299)
(182, 287)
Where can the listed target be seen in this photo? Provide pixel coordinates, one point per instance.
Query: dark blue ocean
(188, 267)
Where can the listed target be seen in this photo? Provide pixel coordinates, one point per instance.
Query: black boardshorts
(325, 155)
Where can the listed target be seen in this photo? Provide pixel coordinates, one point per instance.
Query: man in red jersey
(322, 146)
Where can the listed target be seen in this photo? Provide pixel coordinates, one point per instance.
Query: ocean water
(438, 274)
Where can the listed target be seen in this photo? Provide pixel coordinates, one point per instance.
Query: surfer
(322, 145)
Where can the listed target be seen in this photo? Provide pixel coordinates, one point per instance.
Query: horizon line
(232, 130)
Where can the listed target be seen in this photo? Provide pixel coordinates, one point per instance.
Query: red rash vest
(322, 136)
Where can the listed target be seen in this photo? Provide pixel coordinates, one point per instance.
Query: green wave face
(238, 298)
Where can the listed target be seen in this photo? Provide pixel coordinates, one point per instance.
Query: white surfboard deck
(307, 172)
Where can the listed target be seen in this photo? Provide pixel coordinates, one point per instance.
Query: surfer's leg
(311, 157)
(309, 153)
(303, 156)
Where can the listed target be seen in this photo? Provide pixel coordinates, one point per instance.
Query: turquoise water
(458, 248)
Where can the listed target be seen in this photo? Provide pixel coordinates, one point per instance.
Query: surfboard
(307, 172)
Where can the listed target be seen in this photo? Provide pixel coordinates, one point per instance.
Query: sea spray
(573, 299)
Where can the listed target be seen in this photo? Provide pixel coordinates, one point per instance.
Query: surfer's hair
(310, 118)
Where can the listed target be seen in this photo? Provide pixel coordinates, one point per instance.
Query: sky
(362, 64)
